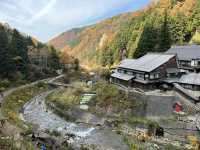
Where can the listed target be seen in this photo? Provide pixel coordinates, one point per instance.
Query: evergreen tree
(178, 29)
(164, 41)
(54, 62)
(29, 41)
(19, 51)
(119, 46)
(148, 41)
(196, 16)
(6, 64)
(103, 57)
(76, 64)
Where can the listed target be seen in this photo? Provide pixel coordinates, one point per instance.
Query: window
(187, 86)
(129, 73)
(157, 75)
(140, 75)
(185, 63)
(119, 70)
(198, 63)
(182, 62)
(194, 62)
(146, 76)
(151, 76)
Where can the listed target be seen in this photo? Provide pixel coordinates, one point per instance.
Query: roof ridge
(192, 45)
(160, 53)
(148, 62)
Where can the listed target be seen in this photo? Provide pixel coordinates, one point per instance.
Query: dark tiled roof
(191, 78)
(185, 52)
(147, 63)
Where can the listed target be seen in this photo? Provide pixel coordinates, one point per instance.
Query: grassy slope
(10, 109)
(14, 102)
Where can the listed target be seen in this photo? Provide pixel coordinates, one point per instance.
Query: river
(36, 112)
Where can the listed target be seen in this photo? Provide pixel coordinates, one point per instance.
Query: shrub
(105, 74)
(7, 144)
(4, 83)
(42, 85)
(107, 94)
(65, 99)
(134, 144)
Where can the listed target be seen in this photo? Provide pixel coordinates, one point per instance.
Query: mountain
(66, 38)
(154, 28)
(84, 42)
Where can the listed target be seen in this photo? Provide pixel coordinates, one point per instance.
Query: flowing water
(36, 112)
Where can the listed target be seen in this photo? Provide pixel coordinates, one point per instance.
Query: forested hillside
(153, 29)
(16, 51)
(86, 42)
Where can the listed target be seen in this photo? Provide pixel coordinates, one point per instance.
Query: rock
(84, 107)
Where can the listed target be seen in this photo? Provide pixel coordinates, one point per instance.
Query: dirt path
(9, 129)
(9, 91)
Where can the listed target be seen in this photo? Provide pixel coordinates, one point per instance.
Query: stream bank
(36, 112)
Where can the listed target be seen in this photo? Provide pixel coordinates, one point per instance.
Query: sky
(45, 19)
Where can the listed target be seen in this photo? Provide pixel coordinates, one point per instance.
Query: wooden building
(190, 81)
(39, 57)
(188, 57)
(145, 72)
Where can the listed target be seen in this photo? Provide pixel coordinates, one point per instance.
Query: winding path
(9, 91)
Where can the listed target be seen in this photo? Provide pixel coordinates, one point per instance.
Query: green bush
(107, 94)
(7, 144)
(4, 83)
(42, 85)
(104, 73)
(134, 144)
(66, 98)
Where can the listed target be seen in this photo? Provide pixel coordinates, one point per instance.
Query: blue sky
(45, 19)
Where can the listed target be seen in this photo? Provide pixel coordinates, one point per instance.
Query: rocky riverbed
(36, 112)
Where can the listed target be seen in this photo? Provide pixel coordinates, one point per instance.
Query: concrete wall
(159, 106)
(152, 106)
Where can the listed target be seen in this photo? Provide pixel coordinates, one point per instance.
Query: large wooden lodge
(146, 71)
(179, 65)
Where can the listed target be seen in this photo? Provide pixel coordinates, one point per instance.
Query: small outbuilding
(188, 56)
(190, 81)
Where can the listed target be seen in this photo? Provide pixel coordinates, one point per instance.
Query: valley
(59, 122)
(129, 82)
